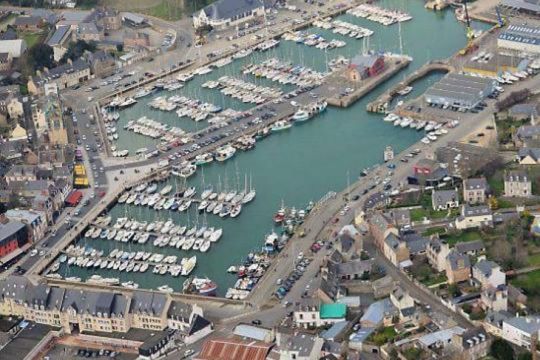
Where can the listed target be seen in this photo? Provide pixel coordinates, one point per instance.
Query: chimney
(3, 219)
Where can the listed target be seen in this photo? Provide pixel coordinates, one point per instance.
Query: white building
(226, 13)
(488, 274)
(518, 330)
(13, 47)
(522, 38)
(474, 216)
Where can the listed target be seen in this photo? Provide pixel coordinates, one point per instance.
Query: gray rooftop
(227, 9)
(516, 176)
(442, 197)
(375, 312)
(458, 261)
(300, 342)
(486, 267)
(442, 336)
(148, 303)
(180, 310)
(534, 153)
(59, 35)
(466, 247)
(479, 210)
(10, 228)
(527, 324)
(459, 86)
(475, 184)
(528, 131)
(335, 330)
(528, 5)
(252, 332)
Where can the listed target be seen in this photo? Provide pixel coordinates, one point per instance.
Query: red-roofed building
(232, 349)
(74, 198)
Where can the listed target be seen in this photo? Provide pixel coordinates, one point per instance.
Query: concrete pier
(380, 105)
(335, 81)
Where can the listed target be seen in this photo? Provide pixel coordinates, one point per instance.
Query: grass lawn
(166, 9)
(383, 336)
(529, 282)
(496, 183)
(534, 260)
(31, 38)
(434, 230)
(435, 279)
(463, 236)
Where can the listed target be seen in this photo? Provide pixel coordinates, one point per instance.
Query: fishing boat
(225, 152)
(301, 115)
(204, 286)
(281, 125)
(406, 90)
(165, 288)
(204, 159)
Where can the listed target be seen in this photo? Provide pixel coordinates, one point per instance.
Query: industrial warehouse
(460, 91)
(520, 38)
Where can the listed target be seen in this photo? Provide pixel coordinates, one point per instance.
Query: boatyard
(166, 235)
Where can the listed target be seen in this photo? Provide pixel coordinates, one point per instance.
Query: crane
(500, 20)
(470, 33)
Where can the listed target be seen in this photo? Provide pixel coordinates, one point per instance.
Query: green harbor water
(294, 166)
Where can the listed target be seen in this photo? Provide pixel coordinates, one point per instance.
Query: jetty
(380, 105)
(355, 90)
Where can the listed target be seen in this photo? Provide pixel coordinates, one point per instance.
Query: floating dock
(380, 105)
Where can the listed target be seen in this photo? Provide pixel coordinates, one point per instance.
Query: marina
(281, 164)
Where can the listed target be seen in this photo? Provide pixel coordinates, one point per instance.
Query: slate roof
(458, 261)
(475, 184)
(300, 342)
(443, 197)
(356, 266)
(466, 247)
(27, 21)
(227, 9)
(335, 330)
(375, 312)
(416, 243)
(197, 324)
(10, 228)
(486, 267)
(476, 210)
(528, 131)
(516, 176)
(442, 336)
(527, 324)
(180, 310)
(58, 36)
(534, 153)
(55, 73)
(524, 109)
(87, 28)
(392, 241)
(9, 34)
(148, 303)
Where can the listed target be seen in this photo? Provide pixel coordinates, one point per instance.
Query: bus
(78, 154)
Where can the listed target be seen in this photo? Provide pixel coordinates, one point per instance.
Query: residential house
(528, 135)
(517, 184)
(48, 119)
(102, 64)
(13, 236)
(311, 313)
(474, 190)
(228, 13)
(233, 349)
(35, 222)
(15, 47)
(149, 310)
(74, 18)
(396, 250)
(471, 248)
(298, 346)
(134, 20)
(474, 216)
(349, 242)
(88, 32)
(21, 173)
(110, 19)
(529, 156)
(415, 242)
(519, 330)
(380, 312)
(495, 299)
(8, 34)
(327, 287)
(440, 339)
(524, 111)
(364, 66)
(458, 267)
(28, 23)
(59, 41)
(444, 199)
(67, 75)
(404, 303)
(401, 217)
(180, 315)
(493, 321)
(6, 60)
(472, 344)
(337, 331)
(380, 227)
(355, 269)
(437, 251)
(488, 274)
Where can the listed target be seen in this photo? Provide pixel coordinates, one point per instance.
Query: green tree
(39, 56)
(501, 350)
(525, 356)
(453, 290)
(76, 50)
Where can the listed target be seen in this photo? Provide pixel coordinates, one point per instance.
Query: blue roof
(335, 330)
(376, 311)
(521, 33)
(58, 35)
